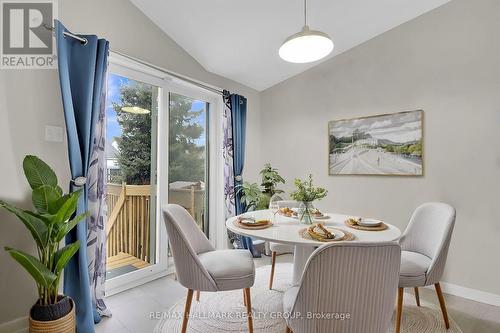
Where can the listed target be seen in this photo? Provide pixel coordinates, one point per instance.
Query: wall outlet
(53, 134)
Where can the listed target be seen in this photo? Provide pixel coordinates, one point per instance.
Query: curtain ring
(238, 178)
(79, 181)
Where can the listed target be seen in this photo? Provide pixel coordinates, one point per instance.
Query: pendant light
(135, 110)
(306, 45)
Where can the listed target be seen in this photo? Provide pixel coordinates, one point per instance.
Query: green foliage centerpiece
(48, 224)
(306, 193)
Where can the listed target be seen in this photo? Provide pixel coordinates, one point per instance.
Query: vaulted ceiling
(240, 39)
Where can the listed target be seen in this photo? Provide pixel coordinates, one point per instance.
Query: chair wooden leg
(399, 310)
(417, 296)
(197, 295)
(244, 298)
(273, 263)
(442, 304)
(249, 309)
(189, 299)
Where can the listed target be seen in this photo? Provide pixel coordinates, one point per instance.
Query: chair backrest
(429, 233)
(288, 203)
(187, 241)
(358, 280)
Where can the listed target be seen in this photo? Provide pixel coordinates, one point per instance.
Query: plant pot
(54, 318)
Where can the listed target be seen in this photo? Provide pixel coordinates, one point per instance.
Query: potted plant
(50, 221)
(257, 197)
(306, 193)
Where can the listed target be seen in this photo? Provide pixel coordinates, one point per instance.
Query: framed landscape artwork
(389, 144)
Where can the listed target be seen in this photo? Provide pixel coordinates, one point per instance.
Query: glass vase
(305, 212)
(273, 205)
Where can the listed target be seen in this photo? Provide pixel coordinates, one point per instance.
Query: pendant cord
(305, 12)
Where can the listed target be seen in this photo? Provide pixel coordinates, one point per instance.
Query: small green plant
(270, 179)
(257, 197)
(253, 197)
(51, 220)
(306, 191)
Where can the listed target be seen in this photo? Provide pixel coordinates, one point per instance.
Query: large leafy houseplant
(257, 197)
(50, 221)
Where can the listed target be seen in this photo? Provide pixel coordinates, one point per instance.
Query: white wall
(29, 100)
(446, 62)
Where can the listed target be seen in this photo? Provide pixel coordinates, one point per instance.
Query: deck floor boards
(125, 259)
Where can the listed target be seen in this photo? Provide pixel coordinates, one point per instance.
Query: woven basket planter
(65, 324)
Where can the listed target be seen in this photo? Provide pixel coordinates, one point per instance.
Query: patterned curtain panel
(96, 231)
(82, 76)
(235, 108)
(229, 191)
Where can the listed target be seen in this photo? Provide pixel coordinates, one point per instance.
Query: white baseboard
(19, 325)
(472, 294)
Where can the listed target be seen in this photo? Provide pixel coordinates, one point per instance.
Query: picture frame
(389, 144)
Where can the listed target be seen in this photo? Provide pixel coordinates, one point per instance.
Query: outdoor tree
(134, 144)
(186, 157)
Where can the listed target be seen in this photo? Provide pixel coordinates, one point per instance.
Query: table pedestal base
(300, 256)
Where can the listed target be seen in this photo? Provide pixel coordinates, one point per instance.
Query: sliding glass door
(187, 156)
(131, 173)
(133, 228)
(158, 152)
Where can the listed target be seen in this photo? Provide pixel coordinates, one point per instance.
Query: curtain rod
(68, 34)
(84, 41)
(177, 76)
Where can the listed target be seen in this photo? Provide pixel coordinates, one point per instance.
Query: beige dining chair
(424, 245)
(345, 287)
(279, 248)
(202, 268)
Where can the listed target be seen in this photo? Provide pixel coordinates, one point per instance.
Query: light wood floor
(131, 309)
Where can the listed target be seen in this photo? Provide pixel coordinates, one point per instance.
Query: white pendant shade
(135, 110)
(306, 46)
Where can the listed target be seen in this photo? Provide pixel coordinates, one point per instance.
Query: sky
(115, 82)
(398, 127)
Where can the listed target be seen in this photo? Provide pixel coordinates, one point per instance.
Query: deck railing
(128, 224)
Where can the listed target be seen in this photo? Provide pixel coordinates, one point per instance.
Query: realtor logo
(26, 43)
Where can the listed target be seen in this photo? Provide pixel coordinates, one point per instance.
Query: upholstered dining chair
(202, 268)
(424, 245)
(345, 287)
(278, 248)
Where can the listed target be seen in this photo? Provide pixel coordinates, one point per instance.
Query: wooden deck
(125, 259)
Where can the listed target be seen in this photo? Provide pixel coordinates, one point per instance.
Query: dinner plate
(253, 222)
(369, 222)
(336, 232)
(247, 220)
(314, 217)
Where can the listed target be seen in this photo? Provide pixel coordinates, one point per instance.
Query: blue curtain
(239, 118)
(82, 69)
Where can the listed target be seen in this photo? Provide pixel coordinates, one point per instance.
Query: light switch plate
(53, 134)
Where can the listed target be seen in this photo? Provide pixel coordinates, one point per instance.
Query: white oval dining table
(285, 230)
